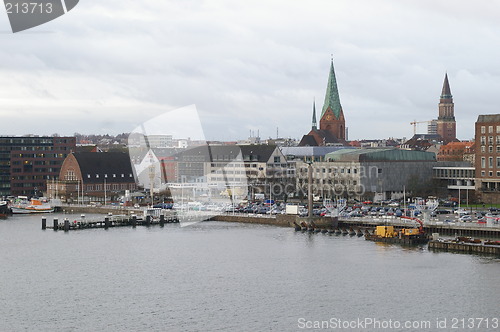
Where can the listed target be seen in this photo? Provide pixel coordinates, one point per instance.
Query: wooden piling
(134, 221)
(56, 224)
(106, 223)
(44, 223)
(162, 220)
(148, 220)
(66, 225)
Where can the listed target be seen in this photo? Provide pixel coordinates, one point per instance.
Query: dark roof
(488, 118)
(208, 153)
(308, 140)
(107, 165)
(446, 92)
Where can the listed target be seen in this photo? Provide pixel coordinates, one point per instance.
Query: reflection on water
(215, 276)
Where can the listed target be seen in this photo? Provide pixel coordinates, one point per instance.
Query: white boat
(33, 206)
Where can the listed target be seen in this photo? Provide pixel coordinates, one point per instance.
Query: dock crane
(414, 124)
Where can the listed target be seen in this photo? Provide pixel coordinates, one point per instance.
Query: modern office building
(27, 162)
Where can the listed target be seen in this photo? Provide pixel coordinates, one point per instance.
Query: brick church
(332, 130)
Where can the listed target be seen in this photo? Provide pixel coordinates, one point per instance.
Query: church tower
(314, 124)
(446, 125)
(332, 117)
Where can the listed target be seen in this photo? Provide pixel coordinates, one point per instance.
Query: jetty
(108, 222)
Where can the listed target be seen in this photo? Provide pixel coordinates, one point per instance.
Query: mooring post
(162, 220)
(66, 225)
(56, 224)
(44, 223)
(148, 220)
(106, 223)
(134, 221)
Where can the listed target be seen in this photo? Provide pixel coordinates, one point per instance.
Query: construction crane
(414, 124)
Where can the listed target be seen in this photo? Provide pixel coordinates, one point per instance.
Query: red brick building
(94, 176)
(487, 157)
(454, 151)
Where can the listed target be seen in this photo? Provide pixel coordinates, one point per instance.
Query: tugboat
(408, 236)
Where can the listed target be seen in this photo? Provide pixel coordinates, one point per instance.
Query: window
(490, 129)
(498, 174)
(490, 140)
(498, 139)
(483, 129)
(483, 173)
(490, 162)
(498, 129)
(490, 173)
(498, 162)
(483, 162)
(483, 140)
(490, 148)
(277, 160)
(483, 148)
(379, 171)
(498, 149)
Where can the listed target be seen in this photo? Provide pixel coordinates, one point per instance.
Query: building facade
(27, 162)
(93, 176)
(487, 157)
(367, 173)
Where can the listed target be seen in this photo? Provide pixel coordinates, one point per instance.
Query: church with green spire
(332, 129)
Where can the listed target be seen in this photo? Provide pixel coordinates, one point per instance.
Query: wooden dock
(108, 222)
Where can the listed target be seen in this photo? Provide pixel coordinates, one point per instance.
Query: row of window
(490, 129)
(490, 173)
(490, 162)
(114, 186)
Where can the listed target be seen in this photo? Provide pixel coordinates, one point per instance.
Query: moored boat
(33, 206)
(4, 209)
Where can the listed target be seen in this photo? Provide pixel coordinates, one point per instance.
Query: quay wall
(281, 220)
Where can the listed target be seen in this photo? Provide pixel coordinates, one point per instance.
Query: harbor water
(216, 276)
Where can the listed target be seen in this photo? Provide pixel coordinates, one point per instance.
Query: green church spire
(332, 99)
(314, 123)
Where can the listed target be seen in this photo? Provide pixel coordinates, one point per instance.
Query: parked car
(465, 218)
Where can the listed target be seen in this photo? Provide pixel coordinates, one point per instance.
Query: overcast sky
(107, 66)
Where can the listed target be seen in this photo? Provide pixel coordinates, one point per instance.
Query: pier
(108, 222)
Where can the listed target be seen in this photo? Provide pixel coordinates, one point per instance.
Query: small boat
(35, 205)
(4, 209)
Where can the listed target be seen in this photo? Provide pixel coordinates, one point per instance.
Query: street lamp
(309, 189)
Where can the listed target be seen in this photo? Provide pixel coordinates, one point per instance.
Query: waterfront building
(456, 178)
(487, 157)
(27, 162)
(332, 129)
(368, 173)
(210, 170)
(93, 176)
(446, 125)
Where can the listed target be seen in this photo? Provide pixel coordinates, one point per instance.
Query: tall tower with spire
(446, 125)
(314, 123)
(332, 122)
(332, 117)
